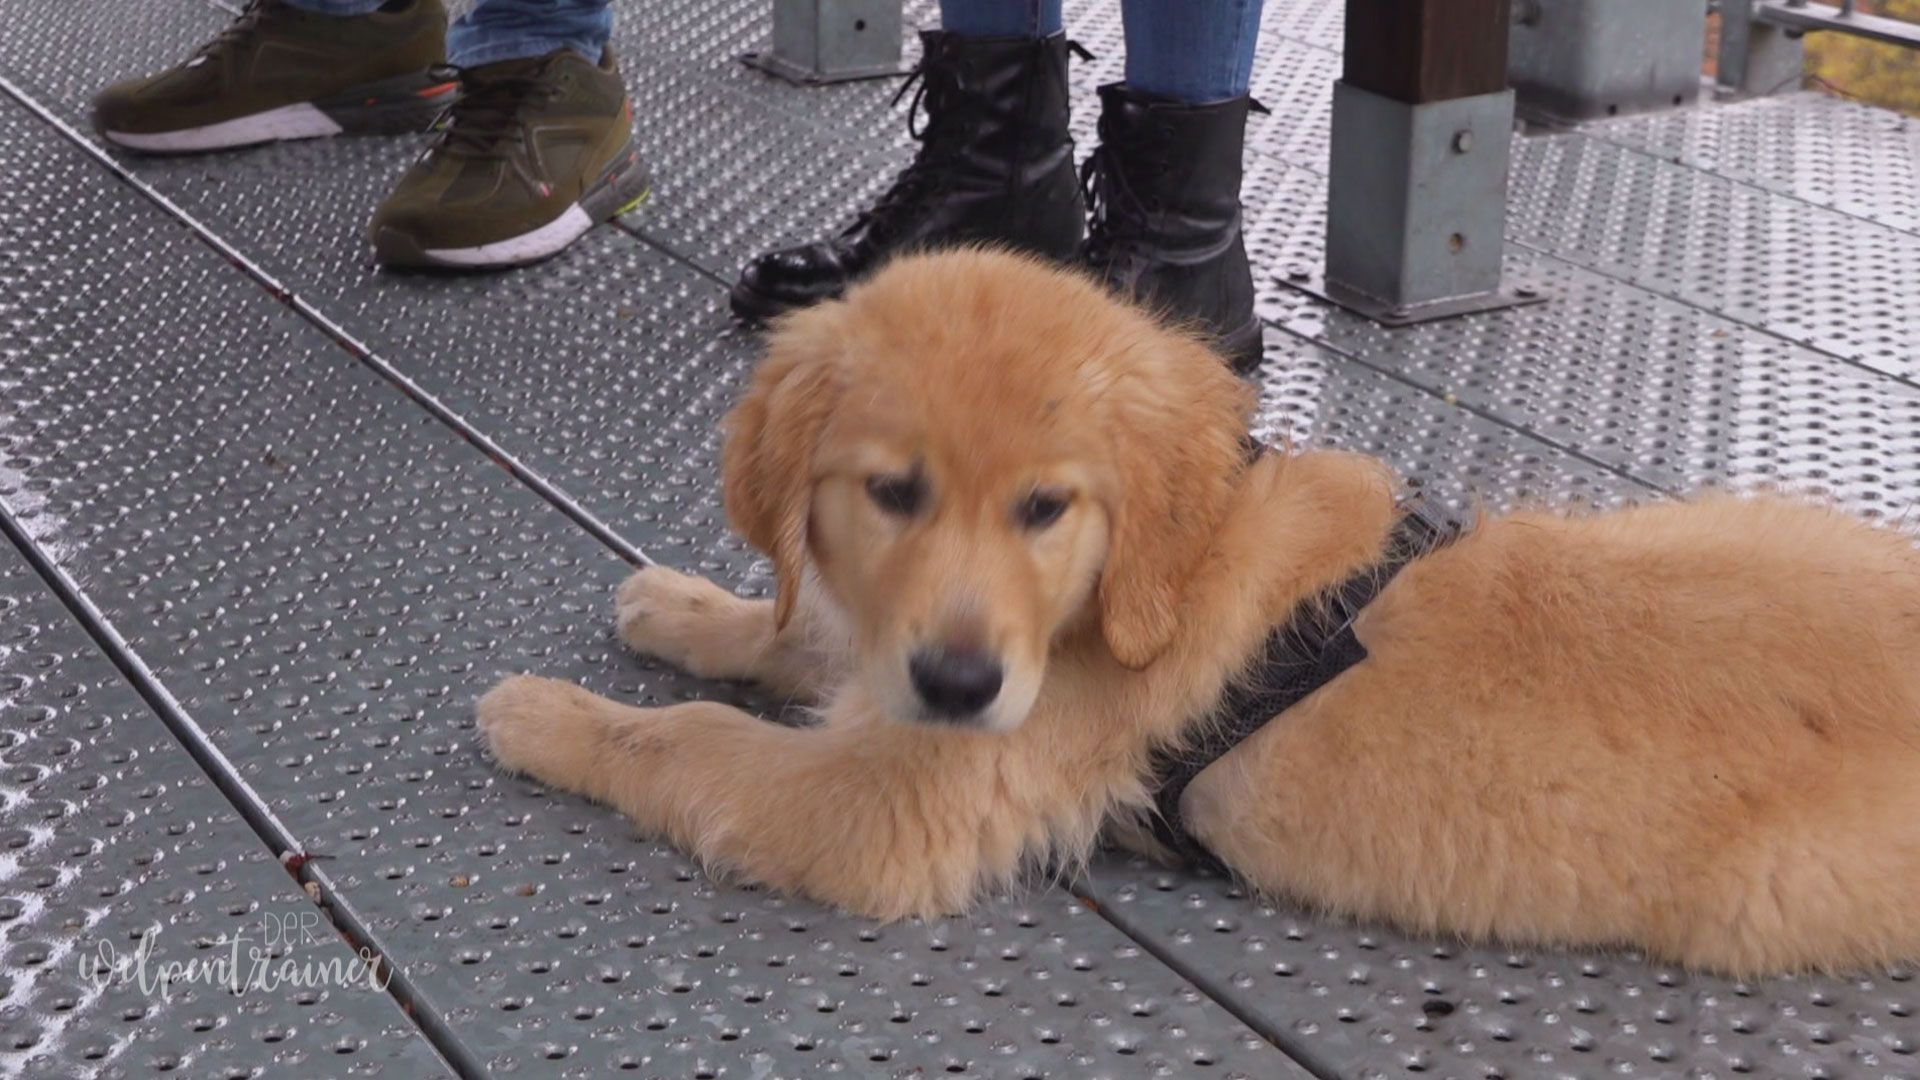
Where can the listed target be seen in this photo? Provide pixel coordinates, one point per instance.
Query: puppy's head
(982, 456)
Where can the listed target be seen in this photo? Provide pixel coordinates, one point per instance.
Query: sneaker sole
(394, 106)
(622, 186)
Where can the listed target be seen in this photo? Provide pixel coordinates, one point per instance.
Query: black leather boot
(1165, 189)
(995, 165)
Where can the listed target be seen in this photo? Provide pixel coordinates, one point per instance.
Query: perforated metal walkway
(277, 518)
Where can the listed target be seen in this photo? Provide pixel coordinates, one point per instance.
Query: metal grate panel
(1825, 279)
(1676, 397)
(1321, 23)
(1312, 397)
(324, 577)
(1366, 1002)
(112, 834)
(1852, 158)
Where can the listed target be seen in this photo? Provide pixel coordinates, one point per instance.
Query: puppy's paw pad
(520, 716)
(657, 609)
(643, 583)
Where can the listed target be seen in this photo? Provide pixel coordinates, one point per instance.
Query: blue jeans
(1193, 51)
(507, 29)
(1190, 51)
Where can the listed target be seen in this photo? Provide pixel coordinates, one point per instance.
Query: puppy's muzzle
(955, 684)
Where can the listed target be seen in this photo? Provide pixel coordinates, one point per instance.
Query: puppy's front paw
(542, 727)
(687, 621)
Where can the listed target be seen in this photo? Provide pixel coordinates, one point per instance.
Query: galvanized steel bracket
(816, 42)
(1757, 58)
(1572, 60)
(1416, 208)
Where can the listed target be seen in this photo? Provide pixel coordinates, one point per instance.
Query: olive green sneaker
(533, 154)
(282, 73)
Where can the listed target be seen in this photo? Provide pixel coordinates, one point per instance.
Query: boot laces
(1117, 216)
(488, 110)
(938, 97)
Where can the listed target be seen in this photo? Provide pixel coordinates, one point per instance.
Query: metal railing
(1760, 39)
(1803, 16)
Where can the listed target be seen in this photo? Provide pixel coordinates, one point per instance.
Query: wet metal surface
(121, 863)
(1364, 1001)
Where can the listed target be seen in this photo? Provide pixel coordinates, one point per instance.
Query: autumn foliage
(1879, 74)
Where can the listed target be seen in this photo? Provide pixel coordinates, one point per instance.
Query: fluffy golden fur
(1692, 728)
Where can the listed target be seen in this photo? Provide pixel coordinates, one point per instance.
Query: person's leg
(1166, 225)
(1193, 51)
(497, 30)
(1000, 18)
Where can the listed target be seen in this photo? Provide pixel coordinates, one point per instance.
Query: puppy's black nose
(955, 683)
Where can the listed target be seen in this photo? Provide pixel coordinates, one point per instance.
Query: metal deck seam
(670, 252)
(1452, 400)
(521, 471)
(1156, 948)
(1858, 366)
(1599, 133)
(253, 811)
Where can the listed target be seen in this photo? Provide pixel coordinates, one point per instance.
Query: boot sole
(405, 103)
(623, 185)
(753, 306)
(1244, 347)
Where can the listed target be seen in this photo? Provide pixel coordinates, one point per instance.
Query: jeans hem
(521, 49)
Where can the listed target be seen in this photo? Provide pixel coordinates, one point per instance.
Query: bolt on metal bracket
(1416, 208)
(816, 42)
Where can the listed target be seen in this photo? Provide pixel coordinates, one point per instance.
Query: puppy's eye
(1042, 508)
(901, 495)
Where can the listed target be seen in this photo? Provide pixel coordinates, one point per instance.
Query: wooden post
(1417, 51)
(1417, 181)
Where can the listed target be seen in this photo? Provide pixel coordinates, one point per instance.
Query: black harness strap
(1311, 649)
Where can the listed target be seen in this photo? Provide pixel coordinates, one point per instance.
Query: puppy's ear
(767, 466)
(1177, 423)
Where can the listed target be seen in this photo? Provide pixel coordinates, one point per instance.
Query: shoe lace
(938, 97)
(1116, 215)
(236, 32)
(487, 111)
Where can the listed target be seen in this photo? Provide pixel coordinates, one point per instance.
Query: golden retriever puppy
(1021, 549)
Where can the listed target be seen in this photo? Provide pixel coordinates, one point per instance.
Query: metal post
(1575, 60)
(1755, 57)
(829, 41)
(1416, 200)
